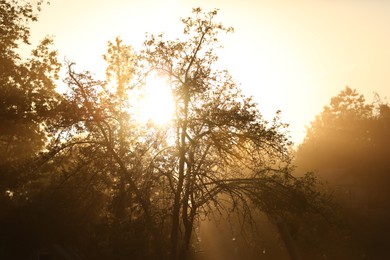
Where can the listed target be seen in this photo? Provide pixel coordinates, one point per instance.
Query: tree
(27, 87)
(98, 125)
(28, 100)
(220, 136)
(347, 138)
(222, 155)
(216, 155)
(347, 144)
(28, 109)
(225, 154)
(338, 132)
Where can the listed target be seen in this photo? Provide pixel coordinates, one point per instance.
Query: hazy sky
(292, 55)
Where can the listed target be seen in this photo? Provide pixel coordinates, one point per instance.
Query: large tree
(28, 100)
(217, 154)
(28, 106)
(27, 86)
(224, 150)
(146, 181)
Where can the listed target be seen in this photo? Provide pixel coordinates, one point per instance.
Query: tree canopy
(27, 96)
(82, 172)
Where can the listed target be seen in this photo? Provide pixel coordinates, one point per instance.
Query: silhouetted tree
(216, 155)
(28, 106)
(225, 156)
(27, 95)
(116, 152)
(98, 180)
(348, 144)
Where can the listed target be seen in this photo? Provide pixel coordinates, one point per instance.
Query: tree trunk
(288, 240)
(180, 183)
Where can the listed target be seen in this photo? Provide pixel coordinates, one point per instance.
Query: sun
(156, 104)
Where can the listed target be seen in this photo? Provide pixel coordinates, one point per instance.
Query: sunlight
(157, 103)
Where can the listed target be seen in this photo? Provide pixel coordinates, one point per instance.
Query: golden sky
(292, 55)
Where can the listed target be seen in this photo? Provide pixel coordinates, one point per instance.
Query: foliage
(27, 95)
(27, 91)
(94, 178)
(28, 106)
(221, 141)
(348, 140)
(222, 157)
(348, 145)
